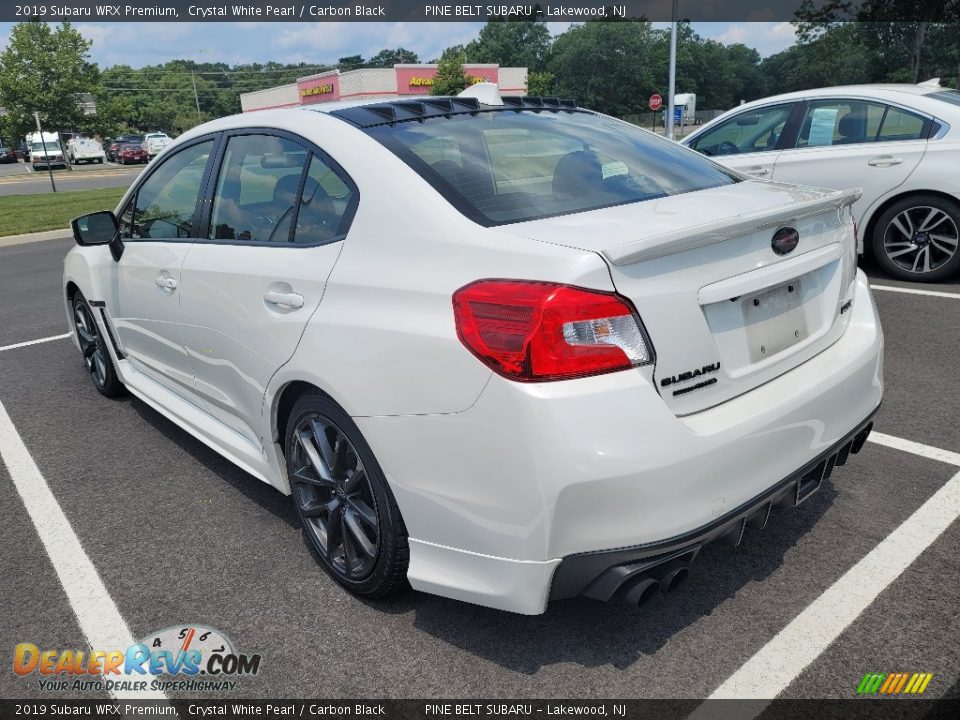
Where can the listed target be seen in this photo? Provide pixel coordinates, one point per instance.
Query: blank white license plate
(774, 320)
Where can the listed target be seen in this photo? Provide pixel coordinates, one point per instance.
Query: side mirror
(99, 228)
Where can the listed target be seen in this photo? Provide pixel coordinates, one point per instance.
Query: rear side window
(505, 166)
(271, 189)
(256, 195)
(840, 122)
(846, 122)
(326, 205)
(164, 205)
(901, 125)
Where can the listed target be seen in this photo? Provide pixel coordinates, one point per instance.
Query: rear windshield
(948, 96)
(506, 166)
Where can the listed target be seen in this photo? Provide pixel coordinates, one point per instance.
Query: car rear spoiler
(725, 229)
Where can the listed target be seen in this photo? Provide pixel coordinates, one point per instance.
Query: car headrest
(577, 173)
(285, 191)
(853, 125)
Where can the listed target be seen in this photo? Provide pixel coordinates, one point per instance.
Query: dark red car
(7, 155)
(131, 154)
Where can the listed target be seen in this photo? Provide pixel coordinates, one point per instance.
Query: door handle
(166, 282)
(288, 300)
(758, 171)
(884, 161)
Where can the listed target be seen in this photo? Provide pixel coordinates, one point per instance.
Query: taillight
(532, 331)
(849, 267)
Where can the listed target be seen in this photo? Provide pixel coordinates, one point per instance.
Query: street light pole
(43, 143)
(673, 71)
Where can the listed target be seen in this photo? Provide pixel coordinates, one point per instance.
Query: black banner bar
(852, 709)
(420, 11)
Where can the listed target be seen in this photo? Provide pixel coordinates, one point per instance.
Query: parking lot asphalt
(21, 179)
(179, 535)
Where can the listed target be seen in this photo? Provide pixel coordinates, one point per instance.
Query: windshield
(947, 96)
(503, 166)
(51, 147)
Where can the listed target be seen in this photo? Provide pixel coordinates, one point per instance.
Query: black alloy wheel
(348, 513)
(96, 356)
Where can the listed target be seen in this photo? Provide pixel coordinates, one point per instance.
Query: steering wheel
(727, 148)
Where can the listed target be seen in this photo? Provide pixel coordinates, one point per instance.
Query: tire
(918, 238)
(353, 511)
(93, 349)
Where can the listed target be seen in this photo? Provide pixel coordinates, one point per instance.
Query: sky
(139, 44)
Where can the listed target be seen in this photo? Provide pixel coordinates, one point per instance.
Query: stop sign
(656, 102)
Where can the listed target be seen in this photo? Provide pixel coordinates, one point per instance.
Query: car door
(749, 141)
(850, 142)
(157, 226)
(278, 211)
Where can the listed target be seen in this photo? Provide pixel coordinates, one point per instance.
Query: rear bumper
(495, 498)
(602, 575)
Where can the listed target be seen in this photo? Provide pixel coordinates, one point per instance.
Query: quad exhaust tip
(664, 579)
(636, 583)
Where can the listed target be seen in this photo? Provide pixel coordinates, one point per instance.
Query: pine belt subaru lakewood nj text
(506, 349)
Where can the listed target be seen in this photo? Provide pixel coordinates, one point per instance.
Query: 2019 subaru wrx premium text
(507, 349)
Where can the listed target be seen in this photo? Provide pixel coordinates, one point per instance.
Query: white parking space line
(28, 343)
(914, 291)
(97, 614)
(778, 663)
(916, 448)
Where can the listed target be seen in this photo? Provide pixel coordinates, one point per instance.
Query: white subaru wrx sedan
(507, 350)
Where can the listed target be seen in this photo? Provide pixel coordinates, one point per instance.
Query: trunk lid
(725, 313)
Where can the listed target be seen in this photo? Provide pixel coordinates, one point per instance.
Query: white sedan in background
(506, 349)
(155, 143)
(899, 143)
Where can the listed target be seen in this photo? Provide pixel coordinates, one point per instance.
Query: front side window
(164, 205)
(256, 196)
(501, 166)
(749, 132)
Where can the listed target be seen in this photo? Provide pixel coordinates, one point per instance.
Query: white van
(45, 149)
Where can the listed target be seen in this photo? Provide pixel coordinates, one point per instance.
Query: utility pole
(193, 76)
(196, 97)
(673, 71)
(43, 143)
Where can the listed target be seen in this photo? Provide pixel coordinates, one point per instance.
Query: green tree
(387, 58)
(511, 43)
(450, 78)
(540, 84)
(607, 66)
(350, 62)
(45, 69)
